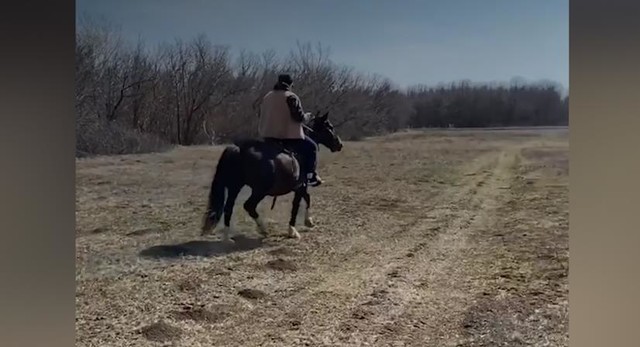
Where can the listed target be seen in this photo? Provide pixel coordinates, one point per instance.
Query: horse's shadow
(203, 248)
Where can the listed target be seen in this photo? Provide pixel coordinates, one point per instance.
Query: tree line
(131, 98)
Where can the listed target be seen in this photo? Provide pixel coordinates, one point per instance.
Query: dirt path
(415, 283)
(429, 256)
(434, 287)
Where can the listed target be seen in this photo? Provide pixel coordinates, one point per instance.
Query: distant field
(424, 238)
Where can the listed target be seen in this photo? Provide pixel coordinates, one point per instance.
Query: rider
(281, 118)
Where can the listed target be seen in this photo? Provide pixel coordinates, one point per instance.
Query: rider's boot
(313, 179)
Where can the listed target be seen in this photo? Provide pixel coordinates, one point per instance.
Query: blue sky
(409, 41)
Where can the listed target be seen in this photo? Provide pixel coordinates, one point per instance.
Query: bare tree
(129, 98)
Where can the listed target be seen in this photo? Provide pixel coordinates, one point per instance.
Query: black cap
(285, 79)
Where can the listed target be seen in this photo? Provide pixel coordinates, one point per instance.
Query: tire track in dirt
(394, 265)
(329, 306)
(524, 302)
(426, 294)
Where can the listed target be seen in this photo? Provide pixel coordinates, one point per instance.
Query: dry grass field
(436, 238)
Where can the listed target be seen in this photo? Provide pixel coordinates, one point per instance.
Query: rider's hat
(285, 79)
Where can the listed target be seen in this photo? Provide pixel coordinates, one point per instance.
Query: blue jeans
(307, 150)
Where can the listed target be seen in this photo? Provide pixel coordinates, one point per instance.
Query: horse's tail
(218, 190)
(273, 204)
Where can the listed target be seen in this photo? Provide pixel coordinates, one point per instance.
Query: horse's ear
(325, 116)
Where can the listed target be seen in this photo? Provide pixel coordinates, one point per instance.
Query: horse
(269, 169)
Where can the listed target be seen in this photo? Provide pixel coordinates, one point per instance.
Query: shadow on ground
(203, 248)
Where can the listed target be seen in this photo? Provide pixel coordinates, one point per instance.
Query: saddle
(278, 146)
(282, 147)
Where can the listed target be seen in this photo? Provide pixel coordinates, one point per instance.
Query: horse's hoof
(261, 228)
(309, 223)
(293, 233)
(227, 232)
(262, 231)
(207, 226)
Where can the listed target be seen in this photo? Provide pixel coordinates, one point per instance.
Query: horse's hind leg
(250, 206)
(294, 214)
(232, 194)
(308, 221)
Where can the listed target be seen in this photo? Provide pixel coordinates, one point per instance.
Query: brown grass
(160, 332)
(201, 314)
(424, 239)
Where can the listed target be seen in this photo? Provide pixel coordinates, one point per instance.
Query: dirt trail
(414, 285)
(430, 284)
(421, 261)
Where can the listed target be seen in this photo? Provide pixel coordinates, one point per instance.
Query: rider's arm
(295, 107)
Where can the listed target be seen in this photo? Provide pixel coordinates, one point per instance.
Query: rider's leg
(310, 152)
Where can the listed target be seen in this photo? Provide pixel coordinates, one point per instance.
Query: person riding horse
(267, 165)
(281, 120)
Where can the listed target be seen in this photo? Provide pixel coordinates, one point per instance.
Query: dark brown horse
(270, 170)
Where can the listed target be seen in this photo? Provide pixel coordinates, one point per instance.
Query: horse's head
(322, 132)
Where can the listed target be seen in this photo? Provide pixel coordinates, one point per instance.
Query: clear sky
(409, 41)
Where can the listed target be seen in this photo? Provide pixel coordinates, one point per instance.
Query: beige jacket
(281, 115)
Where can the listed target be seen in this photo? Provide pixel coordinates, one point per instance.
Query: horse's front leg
(308, 221)
(250, 206)
(232, 194)
(298, 194)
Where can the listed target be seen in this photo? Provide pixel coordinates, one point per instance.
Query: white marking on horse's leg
(260, 226)
(206, 231)
(293, 233)
(207, 226)
(226, 234)
(308, 221)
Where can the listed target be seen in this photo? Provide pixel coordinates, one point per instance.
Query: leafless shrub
(130, 98)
